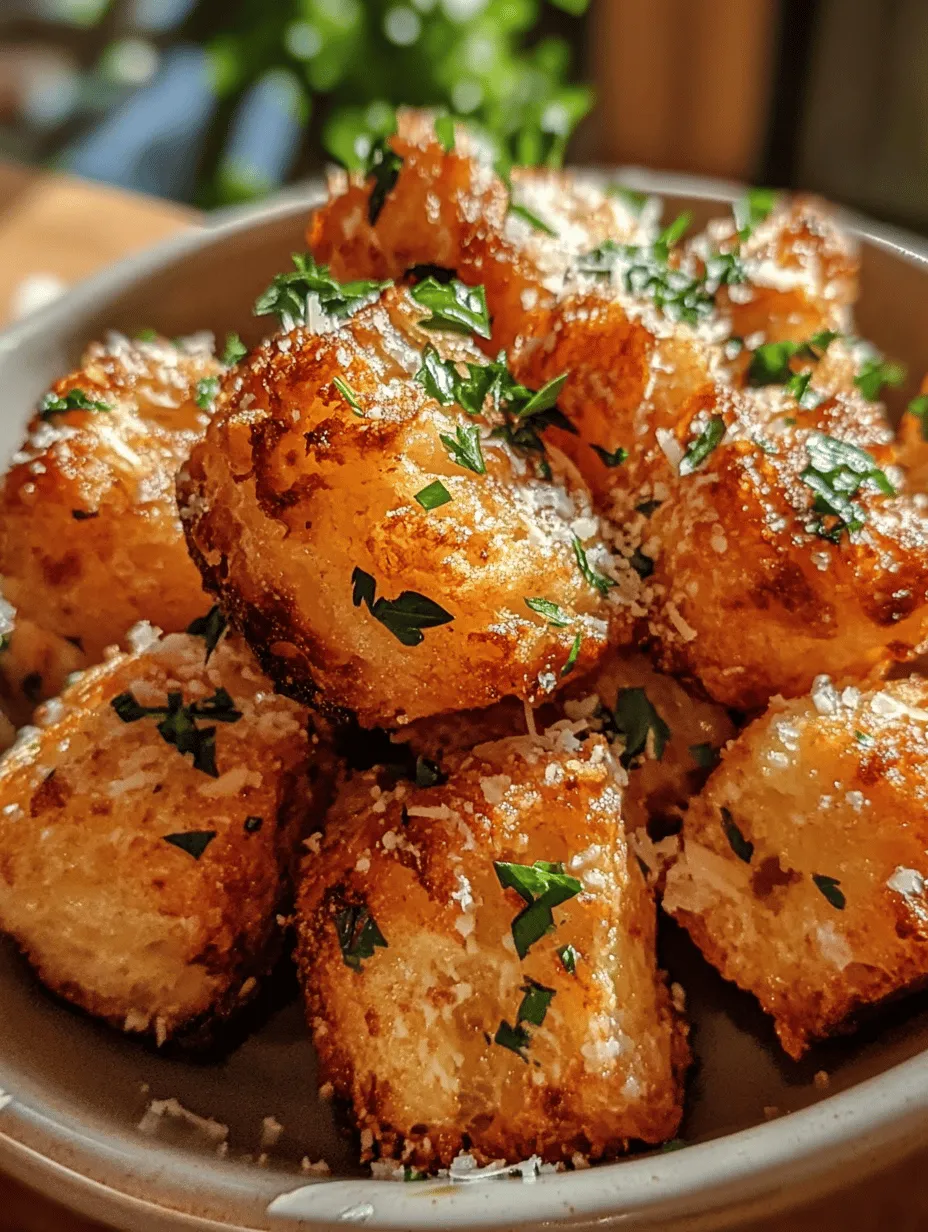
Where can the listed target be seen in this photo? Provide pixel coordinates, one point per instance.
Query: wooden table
(53, 225)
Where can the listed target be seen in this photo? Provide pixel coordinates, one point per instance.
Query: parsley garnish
(554, 614)
(358, 934)
(704, 444)
(770, 364)
(752, 209)
(706, 756)
(146, 334)
(829, 887)
(207, 389)
(454, 306)
(438, 377)
(427, 773)
(533, 1009)
(235, 350)
(635, 201)
(253, 824)
(594, 579)
(349, 395)
(178, 723)
(433, 496)
(863, 738)
(384, 164)
(635, 718)
(406, 616)
(533, 220)
(464, 448)
(289, 294)
(210, 627)
(736, 840)
(194, 842)
(516, 1039)
(444, 131)
(874, 374)
(73, 400)
(543, 886)
(616, 458)
(572, 657)
(798, 386)
(919, 408)
(568, 956)
(835, 473)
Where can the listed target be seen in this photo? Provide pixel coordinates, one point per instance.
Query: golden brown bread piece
(141, 888)
(803, 873)
(90, 538)
(303, 515)
(414, 986)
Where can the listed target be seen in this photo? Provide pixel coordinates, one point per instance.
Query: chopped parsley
(439, 377)
(636, 719)
(798, 386)
(533, 220)
(406, 616)
(433, 495)
(194, 842)
(384, 165)
(736, 840)
(919, 408)
(516, 1038)
(829, 886)
(207, 389)
(543, 886)
(875, 373)
(358, 934)
(705, 443)
(573, 656)
(634, 201)
(454, 306)
(289, 295)
(616, 458)
(536, 1000)
(427, 773)
(706, 756)
(770, 363)
(863, 738)
(752, 209)
(210, 627)
(349, 395)
(594, 579)
(253, 824)
(73, 400)
(464, 448)
(235, 350)
(178, 725)
(146, 334)
(444, 131)
(554, 614)
(568, 956)
(835, 473)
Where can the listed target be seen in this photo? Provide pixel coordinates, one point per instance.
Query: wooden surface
(65, 228)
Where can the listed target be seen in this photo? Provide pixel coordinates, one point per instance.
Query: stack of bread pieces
(545, 566)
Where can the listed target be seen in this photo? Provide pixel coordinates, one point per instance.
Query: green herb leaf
(829, 886)
(863, 738)
(253, 824)
(543, 886)
(798, 386)
(428, 773)
(349, 395)
(835, 473)
(535, 1002)
(919, 408)
(752, 209)
(874, 374)
(736, 840)
(516, 1039)
(73, 400)
(433, 496)
(444, 131)
(594, 579)
(178, 724)
(413, 1174)
(358, 934)
(454, 306)
(194, 842)
(384, 164)
(770, 364)
(635, 201)
(704, 755)
(573, 656)
(554, 614)
(289, 295)
(439, 377)
(464, 448)
(616, 458)
(406, 616)
(533, 220)
(542, 399)
(675, 232)
(705, 443)
(568, 956)
(147, 334)
(210, 627)
(207, 389)
(235, 350)
(635, 718)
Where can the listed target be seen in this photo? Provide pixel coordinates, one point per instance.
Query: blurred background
(216, 102)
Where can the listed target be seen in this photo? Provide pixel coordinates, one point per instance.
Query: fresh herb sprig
(73, 400)
(454, 306)
(836, 472)
(406, 616)
(178, 723)
(635, 718)
(289, 295)
(536, 1001)
(543, 886)
(383, 165)
(210, 627)
(358, 934)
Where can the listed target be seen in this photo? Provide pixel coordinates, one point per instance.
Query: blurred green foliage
(347, 64)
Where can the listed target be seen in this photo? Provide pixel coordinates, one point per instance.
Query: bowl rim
(759, 1170)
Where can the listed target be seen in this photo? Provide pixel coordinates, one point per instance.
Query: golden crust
(291, 491)
(408, 1038)
(90, 538)
(913, 447)
(835, 786)
(115, 919)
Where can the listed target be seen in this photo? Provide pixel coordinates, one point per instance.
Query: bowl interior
(80, 1090)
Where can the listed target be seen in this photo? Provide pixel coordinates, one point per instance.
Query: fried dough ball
(423, 1014)
(90, 538)
(803, 873)
(142, 887)
(304, 515)
(451, 209)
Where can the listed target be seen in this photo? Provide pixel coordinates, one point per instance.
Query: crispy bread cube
(142, 887)
(424, 1015)
(804, 869)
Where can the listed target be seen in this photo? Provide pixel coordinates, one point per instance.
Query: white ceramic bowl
(79, 1090)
